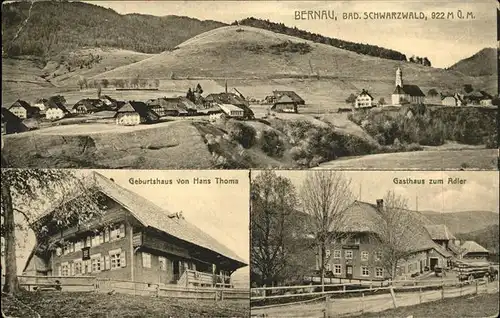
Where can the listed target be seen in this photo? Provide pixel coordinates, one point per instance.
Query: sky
(222, 211)
(480, 192)
(443, 41)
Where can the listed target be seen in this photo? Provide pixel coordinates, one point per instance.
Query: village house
(232, 111)
(55, 110)
(291, 94)
(473, 251)
(89, 106)
(454, 100)
(173, 106)
(285, 104)
(363, 100)
(111, 103)
(133, 240)
(230, 99)
(358, 255)
(23, 110)
(135, 113)
(41, 104)
(406, 93)
(11, 124)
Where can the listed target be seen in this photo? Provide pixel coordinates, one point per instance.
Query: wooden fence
(105, 285)
(347, 301)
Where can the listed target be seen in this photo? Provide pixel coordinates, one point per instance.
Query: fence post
(477, 286)
(326, 312)
(461, 287)
(442, 292)
(222, 294)
(420, 295)
(158, 290)
(393, 295)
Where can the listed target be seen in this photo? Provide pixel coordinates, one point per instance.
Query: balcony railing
(191, 278)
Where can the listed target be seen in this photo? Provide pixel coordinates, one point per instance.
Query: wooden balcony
(192, 278)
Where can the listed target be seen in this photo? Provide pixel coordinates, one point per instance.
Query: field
(485, 305)
(429, 160)
(61, 304)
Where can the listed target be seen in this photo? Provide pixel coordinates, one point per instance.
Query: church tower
(399, 78)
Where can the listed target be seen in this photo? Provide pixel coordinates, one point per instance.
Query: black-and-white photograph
(118, 243)
(374, 244)
(250, 84)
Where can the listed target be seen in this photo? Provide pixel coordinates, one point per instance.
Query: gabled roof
(440, 232)
(473, 247)
(141, 108)
(284, 99)
(365, 93)
(55, 105)
(399, 90)
(412, 90)
(12, 123)
(227, 108)
(91, 104)
(24, 104)
(293, 95)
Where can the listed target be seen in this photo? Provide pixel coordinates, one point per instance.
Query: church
(406, 93)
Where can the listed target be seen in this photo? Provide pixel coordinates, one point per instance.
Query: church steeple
(399, 78)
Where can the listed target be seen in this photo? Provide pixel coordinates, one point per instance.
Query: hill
(482, 63)
(463, 222)
(57, 26)
(248, 52)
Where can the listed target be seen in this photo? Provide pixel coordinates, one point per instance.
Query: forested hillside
(49, 28)
(360, 48)
(482, 63)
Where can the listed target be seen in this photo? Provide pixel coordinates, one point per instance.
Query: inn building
(133, 240)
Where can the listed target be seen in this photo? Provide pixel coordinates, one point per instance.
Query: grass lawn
(61, 304)
(485, 305)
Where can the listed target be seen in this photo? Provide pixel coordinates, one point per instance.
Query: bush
(241, 133)
(272, 144)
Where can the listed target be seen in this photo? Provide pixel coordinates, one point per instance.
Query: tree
(396, 233)
(190, 95)
(381, 101)
(28, 190)
(468, 88)
(273, 200)
(351, 99)
(105, 83)
(426, 62)
(199, 90)
(99, 90)
(325, 195)
(433, 92)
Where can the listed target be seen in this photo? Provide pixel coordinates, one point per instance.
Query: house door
(176, 269)
(434, 263)
(348, 271)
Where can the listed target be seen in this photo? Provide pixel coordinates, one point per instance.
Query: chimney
(380, 204)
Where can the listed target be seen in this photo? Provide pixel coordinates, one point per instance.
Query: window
(88, 240)
(378, 256)
(328, 267)
(117, 232)
(78, 246)
(409, 268)
(58, 251)
(65, 269)
(348, 254)
(163, 263)
(78, 267)
(327, 253)
(357, 241)
(106, 234)
(95, 240)
(117, 259)
(101, 237)
(96, 262)
(337, 254)
(379, 272)
(365, 271)
(338, 269)
(146, 260)
(364, 256)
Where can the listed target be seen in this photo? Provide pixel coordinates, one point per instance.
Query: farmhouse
(231, 99)
(134, 240)
(474, 251)
(88, 106)
(285, 104)
(172, 106)
(135, 113)
(455, 100)
(23, 110)
(291, 94)
(110, 102)
(359, 255)
(363, 100)
(11, 124)
(406, 93)
(41, 104)
(55, 110)
(232, 111)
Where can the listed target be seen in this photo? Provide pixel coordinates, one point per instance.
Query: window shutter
(122, 230)
(107, 262)
(103, 263)
(58, 251)
(101, 237)
(59, 270)
(72, 269)
(123, 259)
(89, 266)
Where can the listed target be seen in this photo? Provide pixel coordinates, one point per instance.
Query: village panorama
(250, 93)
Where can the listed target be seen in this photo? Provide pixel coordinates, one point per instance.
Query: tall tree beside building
(273, 200)
(325, 195)
(396, 231)
(26, 191)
